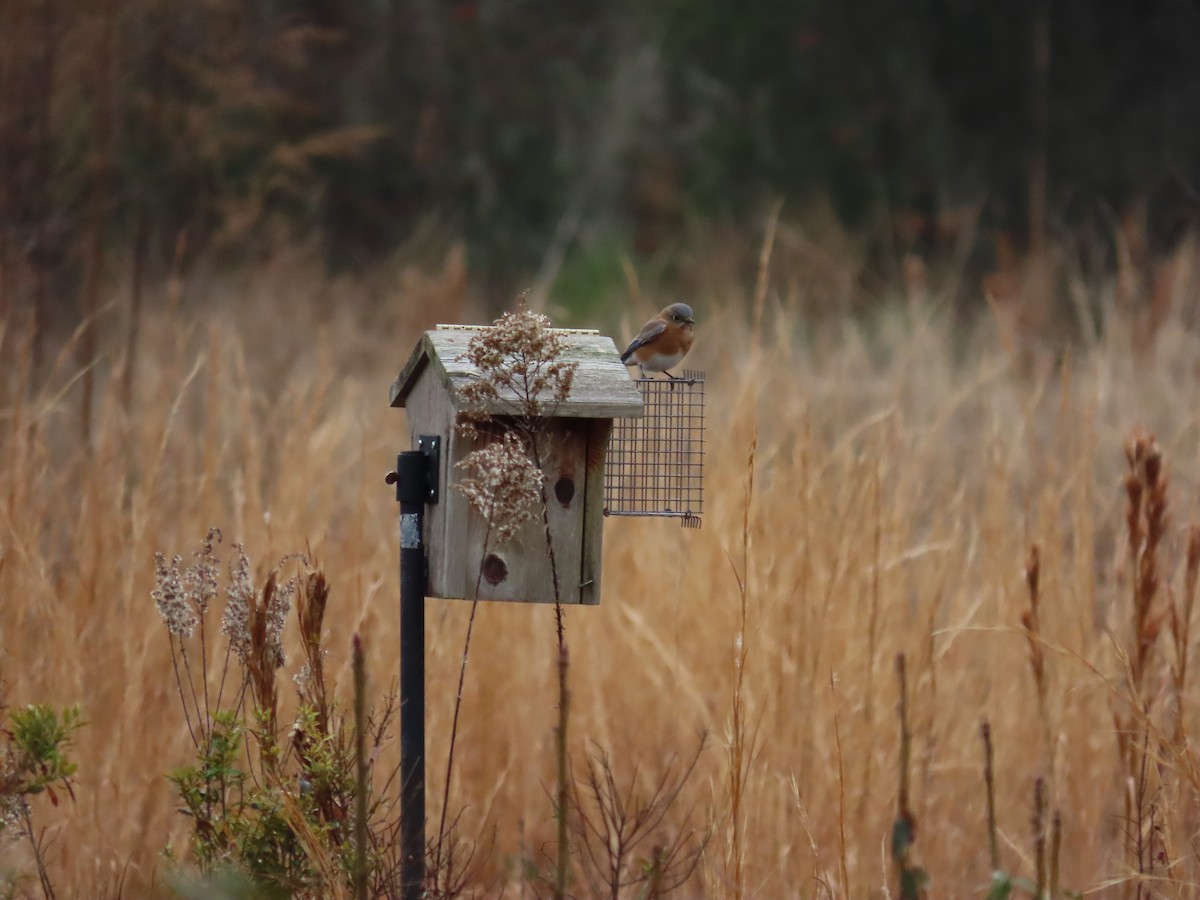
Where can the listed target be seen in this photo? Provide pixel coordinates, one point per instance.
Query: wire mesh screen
(656, 463)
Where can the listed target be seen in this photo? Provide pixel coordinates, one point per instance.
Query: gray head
(679, 313)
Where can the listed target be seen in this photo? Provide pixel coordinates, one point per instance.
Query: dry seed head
(520, 358)
(245, 607)
(502, 485)
(200, 578)
(1152, 462)
(171, 598)
(1133, 514)
(279, 604)
(13, 810)
(311, 602)
(303, 680)
(235, 622)
(1146, 519)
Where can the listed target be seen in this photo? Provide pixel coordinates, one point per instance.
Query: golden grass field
(902, 468)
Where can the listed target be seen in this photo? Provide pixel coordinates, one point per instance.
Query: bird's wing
(649, 332)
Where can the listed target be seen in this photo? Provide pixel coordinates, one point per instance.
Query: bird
(663, 342)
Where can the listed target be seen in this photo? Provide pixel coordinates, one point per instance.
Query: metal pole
(413, 492)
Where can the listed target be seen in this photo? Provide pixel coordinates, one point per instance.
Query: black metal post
(413, 492)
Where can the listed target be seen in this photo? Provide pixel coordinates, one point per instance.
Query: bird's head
(679, 314)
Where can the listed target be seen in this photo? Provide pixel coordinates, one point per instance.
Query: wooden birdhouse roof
(601, 389)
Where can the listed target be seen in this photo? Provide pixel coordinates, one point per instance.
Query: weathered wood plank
(428, 413)
(602, 386)
(599, 432)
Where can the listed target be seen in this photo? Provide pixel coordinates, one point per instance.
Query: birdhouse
(572, 433)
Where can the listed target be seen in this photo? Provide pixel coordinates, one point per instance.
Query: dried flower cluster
(242, 608)
(170, 598)
(520, 360)
(200, 578)
(278, 607)
(304, 682)
(183, 595)
(502, 485)
(240, 593)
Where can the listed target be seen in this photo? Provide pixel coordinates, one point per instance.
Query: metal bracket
(431, 446)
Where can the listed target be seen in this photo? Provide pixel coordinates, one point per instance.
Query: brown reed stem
(1181, 627)
(438, 858)
(911, 880)
(740, 752)
(1146, 523)
(1146, 516)
(562, 790)
(1143, 846)
(843, 861)
(260, 665)
(38, 846)
(563, 859)
(1031, 620)
(902, 805)
(872, 636)
(532, 434)
(1055, 851)
(360, 760)
(989, 780)
(1039, 836)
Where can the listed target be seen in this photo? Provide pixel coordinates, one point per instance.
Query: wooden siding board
(428, 413)
(529, 577)
(598, 433)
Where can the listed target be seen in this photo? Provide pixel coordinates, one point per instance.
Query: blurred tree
(528, 127)
(32, 233)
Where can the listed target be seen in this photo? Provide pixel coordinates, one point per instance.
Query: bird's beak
(690, 321)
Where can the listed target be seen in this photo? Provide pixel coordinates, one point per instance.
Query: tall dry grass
(901, 472)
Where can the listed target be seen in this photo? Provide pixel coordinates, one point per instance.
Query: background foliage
(537, 131)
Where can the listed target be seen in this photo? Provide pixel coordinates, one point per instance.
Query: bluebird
(663, 341)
